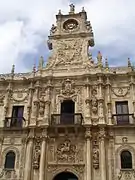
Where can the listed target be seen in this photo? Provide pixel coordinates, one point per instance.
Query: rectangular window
(122, 112)
(17, 116)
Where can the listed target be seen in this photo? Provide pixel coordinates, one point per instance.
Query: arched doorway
(65, 176)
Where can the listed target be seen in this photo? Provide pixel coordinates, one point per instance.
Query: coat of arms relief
(68, 52)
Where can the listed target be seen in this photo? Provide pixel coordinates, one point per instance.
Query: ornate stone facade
(87, 138)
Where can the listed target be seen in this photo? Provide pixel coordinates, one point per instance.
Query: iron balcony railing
(66, 119)
(123, 119)
(14, 122)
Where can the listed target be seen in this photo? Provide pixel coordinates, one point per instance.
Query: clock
(70, 24)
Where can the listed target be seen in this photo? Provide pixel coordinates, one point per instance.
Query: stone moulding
(54, 169)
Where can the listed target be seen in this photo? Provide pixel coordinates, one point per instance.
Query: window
(122, 112)
(17, 116)
(10, 160)
(67, 112)
(126, 160)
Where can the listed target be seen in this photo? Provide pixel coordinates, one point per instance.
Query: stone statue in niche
(41, 106)
(95, 157)
(34, 108)
(94, 101)
(66, 152)
(68, 87)
(95, 144)
(36, 158)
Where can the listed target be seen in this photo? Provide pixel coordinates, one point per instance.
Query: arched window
(126, 160)
(10, 160)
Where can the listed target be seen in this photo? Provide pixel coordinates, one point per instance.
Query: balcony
(66, 119)
(14, 122)
(123, 119)
(8, 174)
(126, 174)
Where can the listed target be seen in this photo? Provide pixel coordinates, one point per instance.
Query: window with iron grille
(122, 112)
(17, 116)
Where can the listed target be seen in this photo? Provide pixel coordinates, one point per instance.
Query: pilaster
(47, 103)
(87, 103)
(7, 99)
(43, 156)
(31, 89)
(35, 104)
(109, 104)
(102, 135)
(100, 100)
(132, 91)
(88, 154)
(29, 153)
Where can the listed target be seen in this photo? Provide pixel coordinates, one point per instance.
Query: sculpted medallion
(120, 91)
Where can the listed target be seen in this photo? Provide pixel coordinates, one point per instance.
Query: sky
(25, 25)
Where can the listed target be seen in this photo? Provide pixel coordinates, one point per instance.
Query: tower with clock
(70, 40)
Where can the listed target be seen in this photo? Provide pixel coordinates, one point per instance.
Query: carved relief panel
(65, 151)
(68, 53)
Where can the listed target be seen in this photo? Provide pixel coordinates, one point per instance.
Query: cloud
(25, 24)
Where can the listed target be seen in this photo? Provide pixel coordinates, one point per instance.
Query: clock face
(70, 24)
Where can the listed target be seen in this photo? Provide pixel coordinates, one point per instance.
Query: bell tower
(70, 40)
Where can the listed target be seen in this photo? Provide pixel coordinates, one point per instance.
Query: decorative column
(6, 103)
(111, 156)
(47, 103)
(1, 142)
(132, 87)
(102, 154)
(87, 101)
(88, 154)
(100, 101)
(28, 158)
(35, 105)
(29, 105)
(108, 87)
(41, 110)
(43, 156)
